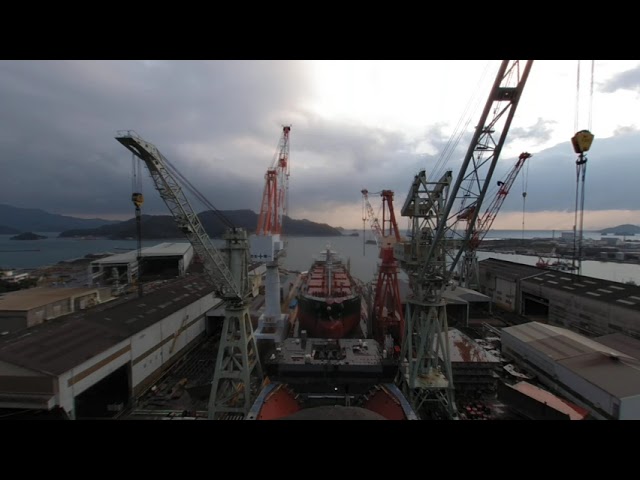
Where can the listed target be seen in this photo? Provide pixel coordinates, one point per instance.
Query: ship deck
(346, 359)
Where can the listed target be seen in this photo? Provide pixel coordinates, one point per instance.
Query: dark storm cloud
(374, 159)
(629, 80)
(333, 162)
(219, 123)
(59, 118)
(610, 181)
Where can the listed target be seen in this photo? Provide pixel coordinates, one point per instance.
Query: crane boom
(274, 198)
(484, 224)
(430, 260)
(373, 220)
(469, 273)
(168, 185)
(238, 372)
(387, 316)
(482, 156)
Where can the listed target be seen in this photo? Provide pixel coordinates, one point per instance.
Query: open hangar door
(107, 398)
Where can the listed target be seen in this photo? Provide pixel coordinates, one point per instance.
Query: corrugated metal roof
(30, 298)
(616, 375)
(622, 343)
(460, 295)
(161, 250)
(574, 411)
(465, 295)
(463, 349)
(555, 342)
(598, 363)
(606, 291)
(169, 249)
(59, 345)
(509, 270)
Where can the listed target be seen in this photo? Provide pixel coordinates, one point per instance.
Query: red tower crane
(469, 266)
(274, 198)
(388, 319)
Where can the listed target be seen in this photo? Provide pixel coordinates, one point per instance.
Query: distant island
(164, 227)
(28, 236)
(621, 230)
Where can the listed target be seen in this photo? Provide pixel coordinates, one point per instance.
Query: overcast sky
(355, 124)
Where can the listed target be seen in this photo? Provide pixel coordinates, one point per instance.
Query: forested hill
(163, 226)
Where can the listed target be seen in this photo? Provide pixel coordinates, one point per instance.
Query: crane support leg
(238, 372)
(426, 350)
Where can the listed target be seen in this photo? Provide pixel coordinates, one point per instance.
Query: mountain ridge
(38, 220)
(163, 226)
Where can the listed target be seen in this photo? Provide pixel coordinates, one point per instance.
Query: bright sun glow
(414, 95)
(411, 95)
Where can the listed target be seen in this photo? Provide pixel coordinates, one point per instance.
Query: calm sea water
(300, 253)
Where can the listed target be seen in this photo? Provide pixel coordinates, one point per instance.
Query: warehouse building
(165, 260)
(535, 403)
(30, 307)
(589, 373)
(500, 281)
(591, 306)
(91, 364)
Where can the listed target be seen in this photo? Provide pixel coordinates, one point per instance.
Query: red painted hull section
(328, 328)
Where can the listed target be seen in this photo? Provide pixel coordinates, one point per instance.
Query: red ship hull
(319, 326)
(329, 301)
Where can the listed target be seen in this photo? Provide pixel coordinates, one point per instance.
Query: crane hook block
(581, 141)
(137, 199)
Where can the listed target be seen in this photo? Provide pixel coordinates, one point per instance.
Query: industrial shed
(91, 364)
(33, 306)
(534, 403)
(591, 374)
(162, 260)
(591, 306)
(588, 305)
(500, 281)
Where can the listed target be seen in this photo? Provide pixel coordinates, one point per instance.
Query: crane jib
(230, 274)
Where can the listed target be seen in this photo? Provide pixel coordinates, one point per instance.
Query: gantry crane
(431, 255)
(238, 372)
(267, 243)
(387, 317)
(469, 273)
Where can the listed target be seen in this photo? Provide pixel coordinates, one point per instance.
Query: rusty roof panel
(59, 345)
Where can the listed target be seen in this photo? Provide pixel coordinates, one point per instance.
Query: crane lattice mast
(238, 372)
(387, 316)
(275, 196)
(431, 256)
(469, 266)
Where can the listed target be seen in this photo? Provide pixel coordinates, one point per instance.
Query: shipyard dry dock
(91, 364)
